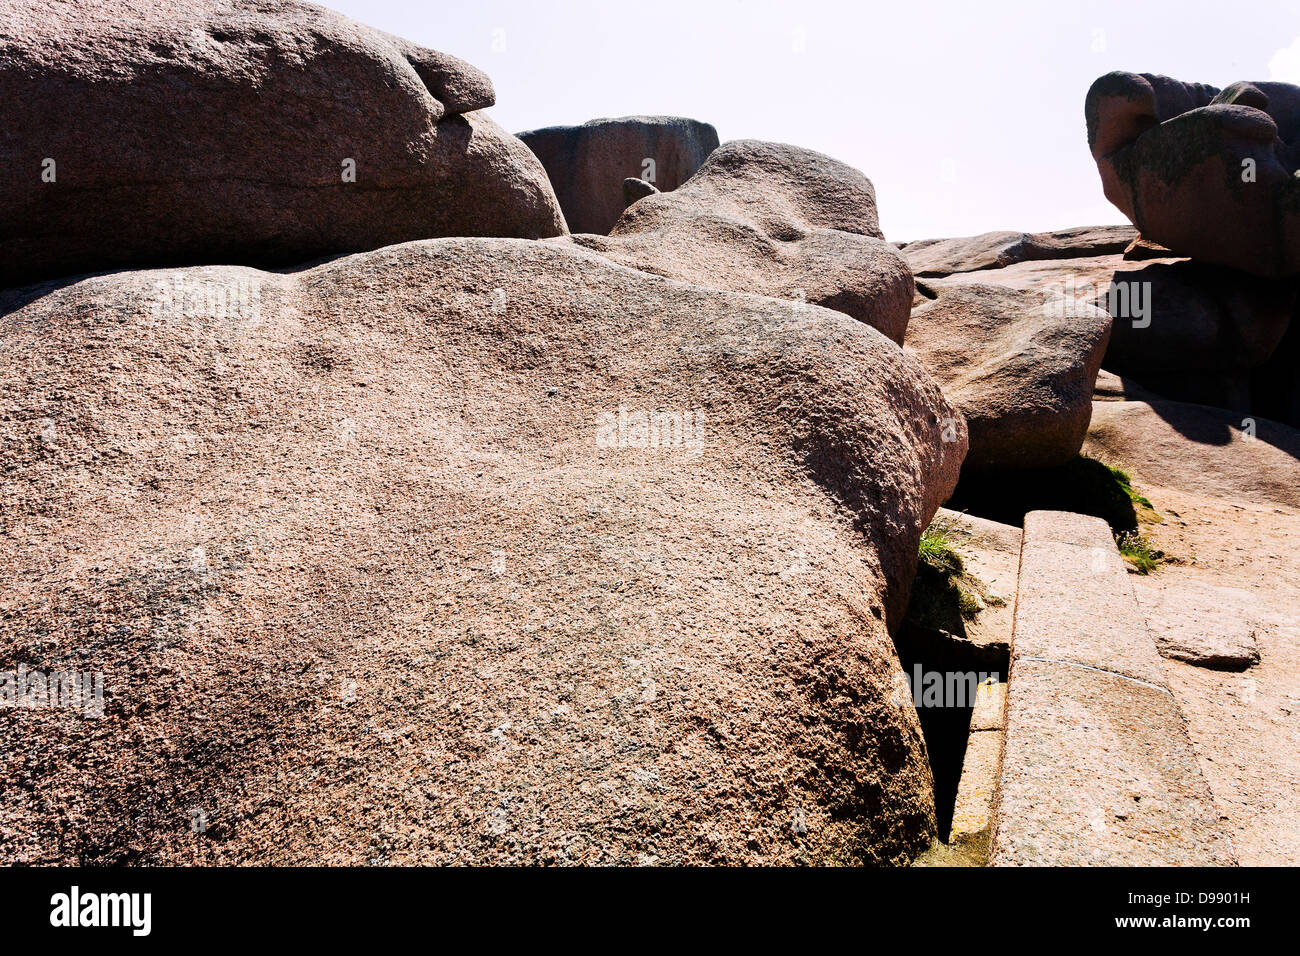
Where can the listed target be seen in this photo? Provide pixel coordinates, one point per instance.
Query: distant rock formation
(587, 164)
(1187, 330)
(1206, 173)
(268, 132)
(993, 250)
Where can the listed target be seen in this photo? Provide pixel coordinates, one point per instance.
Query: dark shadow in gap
(1083, 485)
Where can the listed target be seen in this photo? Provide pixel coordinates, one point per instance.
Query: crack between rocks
(1099, 670)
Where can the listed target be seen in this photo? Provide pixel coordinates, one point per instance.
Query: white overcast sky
(967, 116)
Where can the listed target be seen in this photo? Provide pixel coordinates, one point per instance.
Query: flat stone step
(1097, 766)
(991, 552)
(973, 812)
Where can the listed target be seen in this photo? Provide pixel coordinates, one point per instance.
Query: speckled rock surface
(1021, 372)
(1199, 622)
(1198, 450)
(215, 132)
(1097, 766)
(775, 220)
(972, 816)
(1098, 771)
(380, 564)
(1243, 724)
(1068, 563)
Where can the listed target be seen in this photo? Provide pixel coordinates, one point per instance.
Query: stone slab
(1097, 766)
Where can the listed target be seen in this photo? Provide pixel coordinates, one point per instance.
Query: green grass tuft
(938, 551)
(944, 594)
(1139, 552)
(1126, 483)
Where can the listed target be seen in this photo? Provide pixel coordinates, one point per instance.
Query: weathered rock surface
(774, 220)
(1187, 330)
(1201, 623)
(1208, 174)
(972, 816)
(184, 131)
(993, 250)
(1242, 723)
(385, 561)
(991, 552)
(1198, 450)
(1021, 371)
(587, 164)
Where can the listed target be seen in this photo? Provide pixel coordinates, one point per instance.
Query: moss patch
(1142, 506)
(944, 594)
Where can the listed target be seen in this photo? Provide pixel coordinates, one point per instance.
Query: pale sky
(968, 117)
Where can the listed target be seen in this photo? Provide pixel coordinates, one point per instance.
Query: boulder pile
(469, 548)
(1207, 173)
(1209, 176)
(412, 492)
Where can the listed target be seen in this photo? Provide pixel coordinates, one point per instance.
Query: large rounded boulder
(1021, 366)
(463, 550)
(142, 132)
(774, 220)
(1207, 173)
